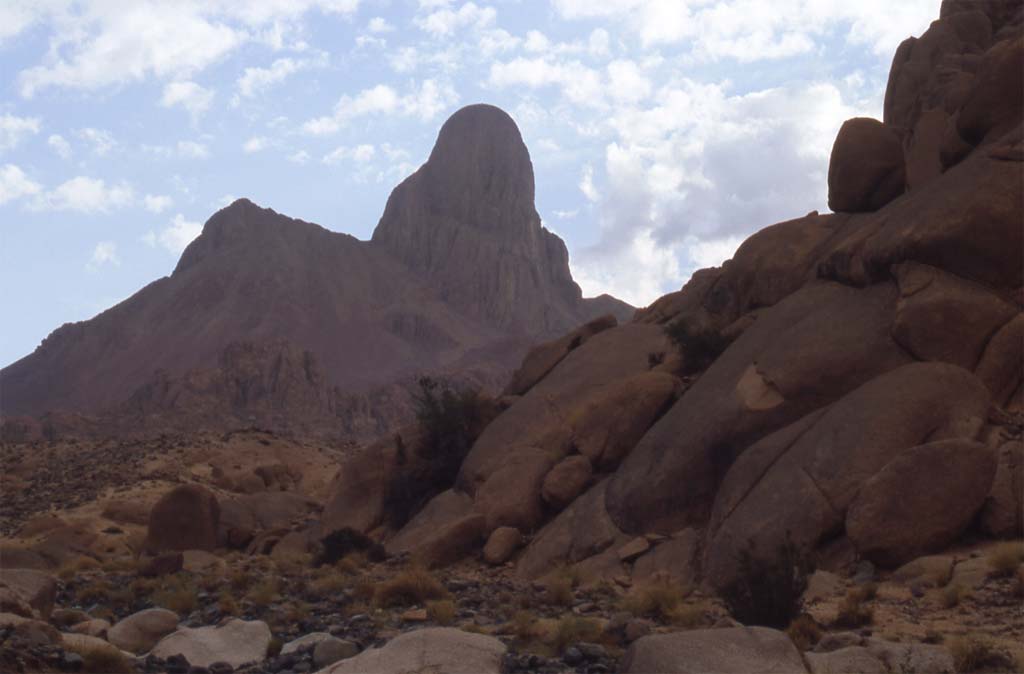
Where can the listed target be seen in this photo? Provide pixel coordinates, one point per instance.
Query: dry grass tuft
(265, 592)
(176, 594)
(853, 612)
(227, 605)
(658, 600)
(410, 587)
(71, 568)
(804, 632)
(523, 625)
(441, 611)
(1005, 558)
(973, 653)
(571, 629)
(329, 583)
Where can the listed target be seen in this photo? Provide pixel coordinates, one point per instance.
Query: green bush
(768, 592)
(698, 347)
(450, 420)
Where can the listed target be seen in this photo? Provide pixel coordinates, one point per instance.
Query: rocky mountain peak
(467, 223)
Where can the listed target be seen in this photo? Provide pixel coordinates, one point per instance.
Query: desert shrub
(339, 544)
(657, 599)
(296, 612)
(227, 605)
(804, 632)
(96, 592)
(176, 594)
(854, 611)
(1005, 558)
(264, 593)
(104, 660)
(412, 586)
(328, 585)
(71, 568)
(450, 420)
(522, 625)
(973, 653)
(364, 590)
(240, 580)
(699, 347)
(768, 592)
(572, 629)
(441, 611)
(687, 616)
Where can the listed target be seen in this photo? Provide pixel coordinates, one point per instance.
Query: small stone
(177, 664)
(572, 656)
(591, 651)
(329, 651)
(221, 668)
(415, 615)
(865, 572)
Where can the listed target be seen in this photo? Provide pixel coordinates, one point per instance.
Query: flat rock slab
(428, 651)
(734, 650)
(236, 642)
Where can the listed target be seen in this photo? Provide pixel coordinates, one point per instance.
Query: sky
(662, 132)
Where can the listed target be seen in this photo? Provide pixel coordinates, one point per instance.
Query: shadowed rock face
(460, 278)
(466, 222)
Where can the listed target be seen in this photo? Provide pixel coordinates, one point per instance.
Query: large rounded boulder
(921, 501)
(186, 518)
(867, 168)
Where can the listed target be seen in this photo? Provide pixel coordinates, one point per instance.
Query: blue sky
(662, 132)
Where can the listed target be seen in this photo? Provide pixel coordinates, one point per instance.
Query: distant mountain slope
(460, 275)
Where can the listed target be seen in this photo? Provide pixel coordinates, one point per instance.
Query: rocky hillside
(287, 323)
(848, 384)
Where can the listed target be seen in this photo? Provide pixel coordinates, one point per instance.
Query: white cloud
(100, 43)
(579, 83)
(300, 157)
(256, 80)
(102, 141)
(425, 102)
(189, 95)
(105, 253)
(687, 179)
(157, 203)
(587, 184)
(85, 195)
(752, 30)
(627, 81)
(379, 24)
(59, 145)
(176, 236)
(445, 21)
(15, 129)
(14, 184)
(566, 215)
(183, 149)
(359, 154)
(255, 144)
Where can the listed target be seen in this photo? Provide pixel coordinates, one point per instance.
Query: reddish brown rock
(566, 481)
(502, 544)
(1002, 516)
(1002, 364)
(798, 482)
(186, 518)
(867, 168)
(444, 531)
(921, 501)
(542, 358)
(995, 103)
(511, 496)
(35, 588)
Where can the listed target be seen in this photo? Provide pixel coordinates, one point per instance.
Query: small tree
(450, 420)
(698, 347)
(768, 592)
